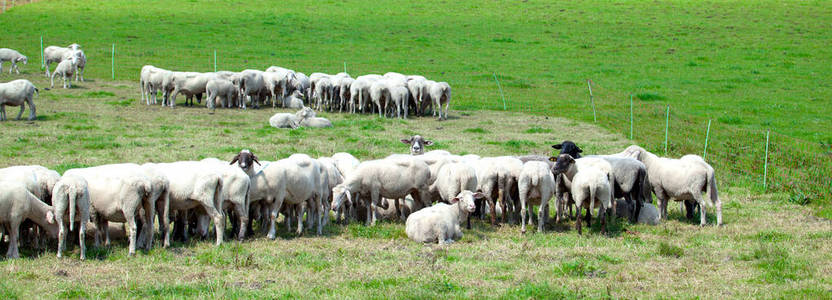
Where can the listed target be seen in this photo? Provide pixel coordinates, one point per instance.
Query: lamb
(417, 144)
(440, 93)
(392, 178)
(18, 204)
(315, 122)
(681, 179)
(66, 68)
(440, 222)
(590, 187)
(235, 192)
(191, 84)
(14, 57)
(294, 101)
(194, 184)
(16, 93)
(217, 89)
(537, 183)
(648, 214)
(287, 120)
(117, 194)
(72, 193)
(330, 177)
(82, 63)
(56, 54)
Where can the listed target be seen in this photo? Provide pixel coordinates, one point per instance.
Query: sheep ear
(580, 150)
(479, 195)
(558, 146)
(405, 141)
(553, 158)
(428, 143)
(236, 158)
(455, 200)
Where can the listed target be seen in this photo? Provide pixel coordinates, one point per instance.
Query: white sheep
(194, 184)
(440, 222)
(117, 195)
(66, 68)
(679, 179)
(315, 122)
(536, 186)
(71, 193)
(331, 177)
(56, 54)
(39, 180)
(289, 120)
(294, 101)
(392, 178)
(220, 93)
(360, 91)
(496, 176)
(17, 93)
(82, 63)
(12, 56)
(236, 185)
(16, 205)
(417, 144)
(454, 178)
(589, 186)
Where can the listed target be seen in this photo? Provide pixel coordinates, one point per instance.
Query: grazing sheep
(18, 204)
(145, 83)
(345, 162)
(417, 144)
(415, 85)
(440, 93)
(344, 84)
(536, 186)
(191, 84)
(217, 89)
(72, 193)
(332, 177)
(630, 179)
(392, 178)
(301, 84)
(360, 91)
(496, 178)
(590, 187)
(194, 184)
(322, 91)
(679, 179)
(56, 54)
(66, 68)
(14, 57)
(118, 195)
(251, 84)
(440, 222)
(155, 82)
(235, 192)
(399, 96)
(82, 63)
(648, 214)
(16, 93)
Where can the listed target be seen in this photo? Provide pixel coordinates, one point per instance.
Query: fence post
(345, 67)
(592, 100)
(501, 91)
(707, 134)
(765, 166)
(666, 128)
(4, 5)
(42, 63)
(631, 116)
(113, 61)
(215, 60)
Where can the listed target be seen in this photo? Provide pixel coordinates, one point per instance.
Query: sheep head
(417, 144)
(245, 159)
(339, 193)
(568, 147)
(466, 200)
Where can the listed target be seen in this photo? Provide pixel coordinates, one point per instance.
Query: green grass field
(749, 66)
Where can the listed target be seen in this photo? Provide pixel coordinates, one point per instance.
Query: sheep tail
(646, 187)
(37, 92)
(218, 194)
(711, 187)
(72, 194)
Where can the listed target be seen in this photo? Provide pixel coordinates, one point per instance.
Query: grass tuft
(668, 250)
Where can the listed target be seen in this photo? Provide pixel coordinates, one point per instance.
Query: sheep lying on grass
(648, 214)
(440, 222)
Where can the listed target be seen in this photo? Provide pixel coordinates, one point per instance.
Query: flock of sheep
(435, 192)
(391, 94)
(71, 61)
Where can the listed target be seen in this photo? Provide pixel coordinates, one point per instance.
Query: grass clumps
(668, 250)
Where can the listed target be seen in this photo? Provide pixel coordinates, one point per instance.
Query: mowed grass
(769, 247)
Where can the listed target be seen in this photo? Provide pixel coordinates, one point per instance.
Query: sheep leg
(219, 222)
(578, 220)
(82, 230)
(523, 199)
(275, 209)
(14, 232)
(702, 218)
(150, 211)
(131, 231)
(61, 234)
(243, 220)
(603, 217)
(2, 112)
(542, 211)
(301, 207)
